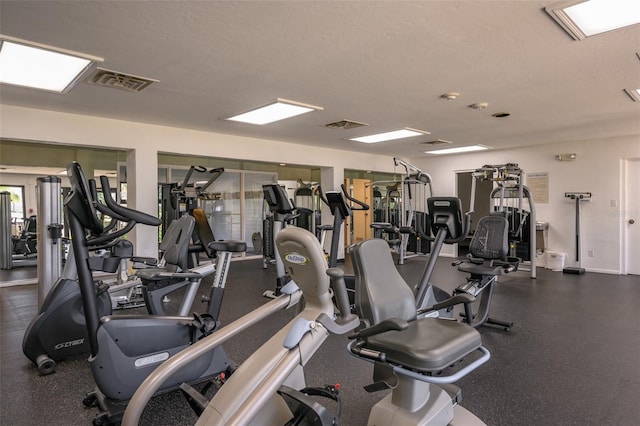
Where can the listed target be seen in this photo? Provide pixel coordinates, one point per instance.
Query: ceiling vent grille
(345, 124)
(119, 80)
(436, 142)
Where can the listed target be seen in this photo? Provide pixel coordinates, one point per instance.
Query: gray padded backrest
(175, 243)
(380, 291)
(491, 239)
(306, 264)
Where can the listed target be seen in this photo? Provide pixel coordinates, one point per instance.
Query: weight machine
(179, 198)
(404, 224)
(511, 199)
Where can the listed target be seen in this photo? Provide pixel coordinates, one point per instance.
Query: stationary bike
(411, 354)
(269, 387)
(125, 349)
(487, 259)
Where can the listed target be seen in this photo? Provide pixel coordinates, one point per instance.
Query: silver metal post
(6, 245)
(49, 232)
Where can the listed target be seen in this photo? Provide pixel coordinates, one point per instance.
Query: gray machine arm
(172, 365)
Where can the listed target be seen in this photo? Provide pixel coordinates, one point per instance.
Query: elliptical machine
(59, 331)
(126, 349)
(282, 213)
(340, 209)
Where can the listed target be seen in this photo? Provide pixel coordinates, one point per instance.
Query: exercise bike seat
(426, 344)
(471, 267)
(232, 246)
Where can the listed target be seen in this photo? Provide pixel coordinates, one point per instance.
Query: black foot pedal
(196, 400)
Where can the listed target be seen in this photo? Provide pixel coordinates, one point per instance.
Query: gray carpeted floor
(572, 357)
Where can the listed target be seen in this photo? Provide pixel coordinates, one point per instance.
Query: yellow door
(361, 219)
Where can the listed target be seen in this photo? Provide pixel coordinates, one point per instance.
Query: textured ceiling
(381, 63)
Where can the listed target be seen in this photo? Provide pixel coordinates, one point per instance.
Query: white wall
(147, 140)
(598, 169)
(73, 129)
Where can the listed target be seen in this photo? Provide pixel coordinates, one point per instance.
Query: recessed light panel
(458, 150)
(40, 67)
(276, 111)
(388, 136)
(593, 17)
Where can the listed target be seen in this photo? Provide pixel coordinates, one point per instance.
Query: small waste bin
(555, 260)
(541, 238)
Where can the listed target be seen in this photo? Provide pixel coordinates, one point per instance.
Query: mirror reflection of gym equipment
(400, 211)
(19, 246)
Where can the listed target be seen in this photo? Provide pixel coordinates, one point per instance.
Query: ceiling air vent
(119, 80)
(436, 142)
(345, 124)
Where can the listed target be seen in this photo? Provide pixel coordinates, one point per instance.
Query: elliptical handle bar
(129, 214)
(215, 174)
(360, 204)
(110, 237)
(185, 182)
(101, 207)
(322, 196)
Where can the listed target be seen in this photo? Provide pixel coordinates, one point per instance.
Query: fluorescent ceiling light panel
(458, 150)
(388, 136)
(41, 67)
(276, 111)
(597, 16)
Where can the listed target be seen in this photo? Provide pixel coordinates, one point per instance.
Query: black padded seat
(232, 246)
(158, 274)
(175, 246)
(384, 226)
(473, 268)
(428, 344)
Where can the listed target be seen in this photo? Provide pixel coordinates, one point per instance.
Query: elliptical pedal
(197, 399)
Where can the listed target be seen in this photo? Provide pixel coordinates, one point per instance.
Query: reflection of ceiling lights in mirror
(593, 17)
(42, 67)
(276, 111)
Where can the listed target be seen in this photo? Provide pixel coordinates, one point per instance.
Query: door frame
(627, 192)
